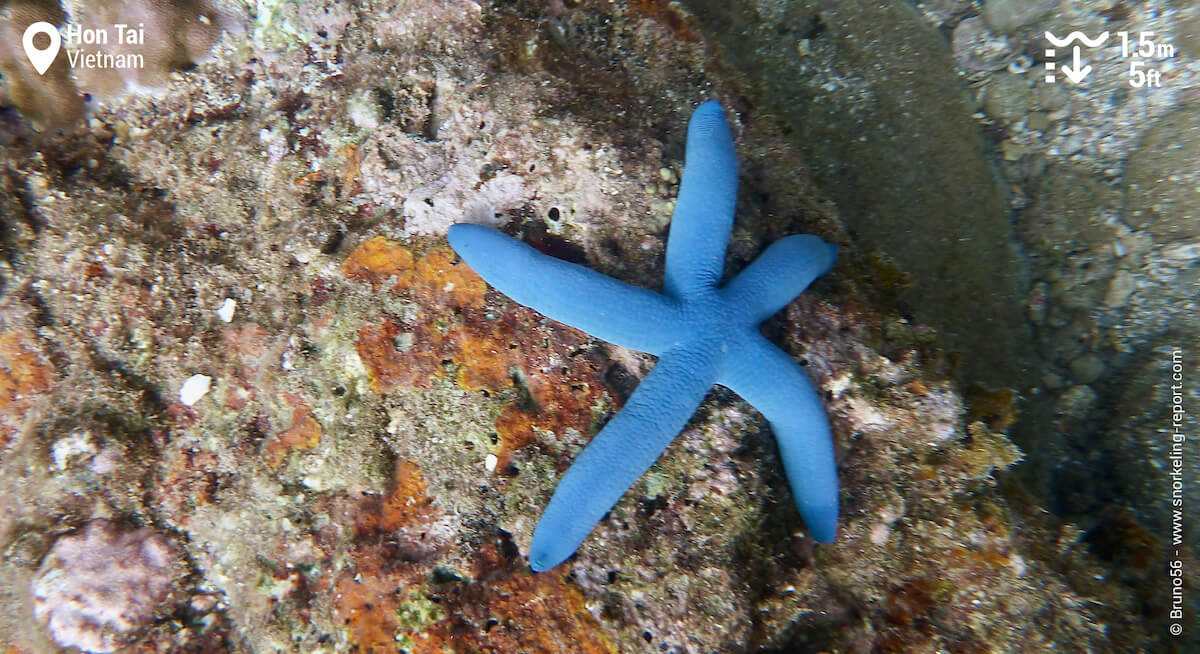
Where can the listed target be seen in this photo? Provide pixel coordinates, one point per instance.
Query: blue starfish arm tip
(548, 553)
(704, 209)
(778, 387)
(621, 453)
(776, 277)
(822, 522)
(569, 293)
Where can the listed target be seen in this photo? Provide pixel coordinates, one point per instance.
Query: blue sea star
(701, 334)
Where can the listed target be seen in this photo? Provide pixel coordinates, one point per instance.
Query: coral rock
(377, 259)
(99, 588)
(303, 434)
(23, 374)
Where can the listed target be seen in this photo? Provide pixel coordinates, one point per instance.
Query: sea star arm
(627, 446)
(704, 209)
(776, 277)
(778, 387)
(582, 298)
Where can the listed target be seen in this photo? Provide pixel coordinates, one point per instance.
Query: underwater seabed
(252, 399)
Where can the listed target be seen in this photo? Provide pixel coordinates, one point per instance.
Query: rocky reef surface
(380, 430)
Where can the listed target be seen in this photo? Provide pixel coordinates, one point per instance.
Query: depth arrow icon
(1076, 73)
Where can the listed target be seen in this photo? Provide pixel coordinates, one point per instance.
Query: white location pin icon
(41, 59)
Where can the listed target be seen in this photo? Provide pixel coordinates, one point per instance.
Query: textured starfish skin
(701, 334)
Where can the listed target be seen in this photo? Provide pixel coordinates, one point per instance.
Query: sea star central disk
(701, 333)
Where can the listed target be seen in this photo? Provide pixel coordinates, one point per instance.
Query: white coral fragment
(225, 313)
(194, 388)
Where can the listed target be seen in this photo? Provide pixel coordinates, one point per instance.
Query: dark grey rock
(1162, 178)
(879, 111)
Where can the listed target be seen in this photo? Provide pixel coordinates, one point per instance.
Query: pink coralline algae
(100, 587)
